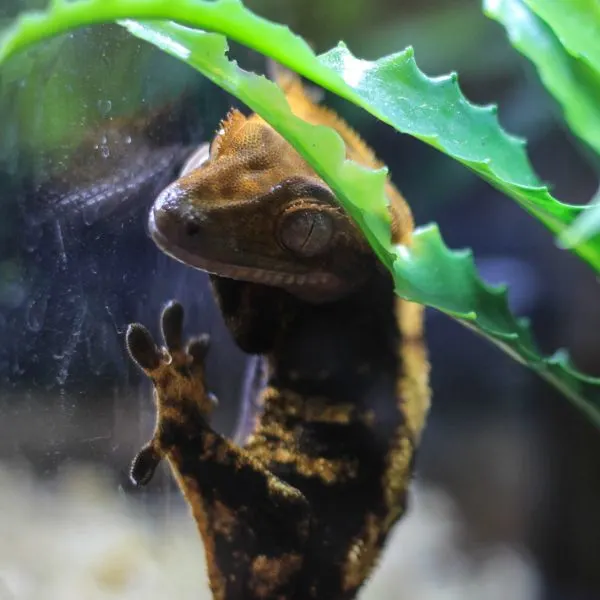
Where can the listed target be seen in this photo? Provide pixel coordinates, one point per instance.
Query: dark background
(94, 124)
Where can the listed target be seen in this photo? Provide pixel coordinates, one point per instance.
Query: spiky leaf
(585, 228)
(572, 82)
(577, 25)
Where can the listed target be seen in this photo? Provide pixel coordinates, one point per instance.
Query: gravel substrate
(80, 539)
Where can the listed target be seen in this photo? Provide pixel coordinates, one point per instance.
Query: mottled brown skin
(303, 506)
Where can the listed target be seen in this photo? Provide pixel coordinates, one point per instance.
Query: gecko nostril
(192, 228)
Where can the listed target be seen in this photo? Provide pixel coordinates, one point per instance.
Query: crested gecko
(300, 504)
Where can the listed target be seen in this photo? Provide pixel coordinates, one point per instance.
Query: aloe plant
(392, 89)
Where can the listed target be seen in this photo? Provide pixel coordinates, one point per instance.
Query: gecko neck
(340, 350)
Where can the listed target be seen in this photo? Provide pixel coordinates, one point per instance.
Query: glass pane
(93, 125)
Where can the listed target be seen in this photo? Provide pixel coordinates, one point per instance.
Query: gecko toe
(198, 348)
(144, 465)
(172, 326)
(141, 347)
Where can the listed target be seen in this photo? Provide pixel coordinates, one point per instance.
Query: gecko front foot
(177, 372)
(254, 526)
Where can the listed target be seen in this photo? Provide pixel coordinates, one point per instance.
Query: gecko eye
(305, 232)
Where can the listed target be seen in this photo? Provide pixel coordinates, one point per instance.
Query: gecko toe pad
(144, 464)
(172, 327)
(142, 348)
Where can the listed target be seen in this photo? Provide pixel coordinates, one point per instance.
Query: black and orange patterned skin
(300, 506)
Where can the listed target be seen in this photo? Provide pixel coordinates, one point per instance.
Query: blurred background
(93, 125)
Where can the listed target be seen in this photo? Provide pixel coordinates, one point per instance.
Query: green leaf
(427, 272)
(586, 227)
(577, 25)
(573, 83)
(398, 93)
(566, 73)
(431, 266)
(435, 111)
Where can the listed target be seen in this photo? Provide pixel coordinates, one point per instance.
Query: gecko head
(242, 218)
(250, 208)
(294, 236)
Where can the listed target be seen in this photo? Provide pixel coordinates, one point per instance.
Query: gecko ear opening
(306, 232)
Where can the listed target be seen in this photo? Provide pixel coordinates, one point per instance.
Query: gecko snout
(173, 220)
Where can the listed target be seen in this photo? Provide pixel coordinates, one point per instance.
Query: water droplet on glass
(104, 107)
(102, 147)
(36, 313)
(127, 139)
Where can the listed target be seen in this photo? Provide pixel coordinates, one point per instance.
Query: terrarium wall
(94, 125)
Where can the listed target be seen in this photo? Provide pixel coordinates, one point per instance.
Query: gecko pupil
(306, 232)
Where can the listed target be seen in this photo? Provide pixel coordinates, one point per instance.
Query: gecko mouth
(321, 280)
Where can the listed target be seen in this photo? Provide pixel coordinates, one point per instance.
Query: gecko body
(301, 504)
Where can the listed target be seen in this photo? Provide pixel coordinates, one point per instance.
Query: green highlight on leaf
(568, 76)
(428, 272)
(576, 24)
(586, 227)
(572, 82)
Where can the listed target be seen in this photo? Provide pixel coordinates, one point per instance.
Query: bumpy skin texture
(303, 506)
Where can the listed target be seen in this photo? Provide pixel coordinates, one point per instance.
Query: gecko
(300, 503)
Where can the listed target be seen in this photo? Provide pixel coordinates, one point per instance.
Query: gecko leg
(178, 378)
(254, 526)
